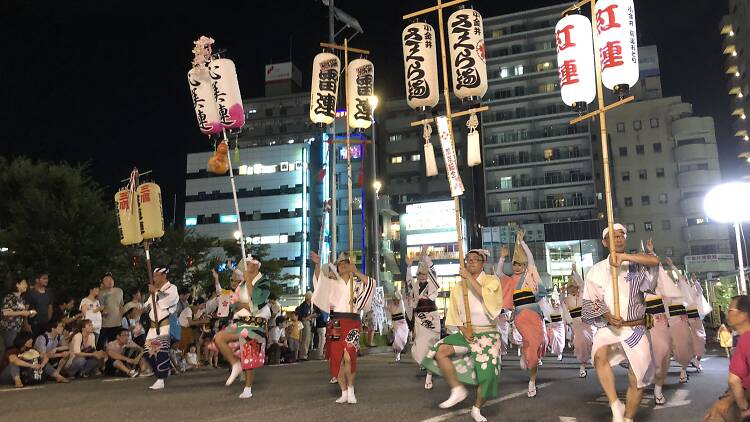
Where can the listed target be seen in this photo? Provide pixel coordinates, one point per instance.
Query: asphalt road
(386, 391)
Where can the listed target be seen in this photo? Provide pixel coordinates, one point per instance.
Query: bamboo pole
(349, 172)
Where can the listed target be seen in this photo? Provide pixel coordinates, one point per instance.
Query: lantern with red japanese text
(616, 44)
(324, 89)
(149, 201)
(226, 92)
(466, 42)
(420, 66)
(202, 93)
(359, 79)
(575, 61)
(128, 217)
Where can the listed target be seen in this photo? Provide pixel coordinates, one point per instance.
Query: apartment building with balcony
(736, 48)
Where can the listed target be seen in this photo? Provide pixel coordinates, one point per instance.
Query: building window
(623, 151)
(397, 159)
(660, 172)
(395, 137)
(630, 227)
(648, 226)
(645, 200)
(637, 125)
(625, 176)
(628, 201)
(657, 147)
(541, 67)
(655, 122)
(663, 198)
(269, 112)
(415, 157)
(642, 174)
(506, 182)
(621, 127)
(640, 149)
(503, 72)
(666, 225)
(518, 69)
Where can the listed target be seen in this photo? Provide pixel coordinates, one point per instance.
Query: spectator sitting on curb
(52, 344)
(17, 363)
(86, 357)
(124, 356)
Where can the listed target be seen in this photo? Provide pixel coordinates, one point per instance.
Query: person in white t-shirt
(92, 309)
(83, 346)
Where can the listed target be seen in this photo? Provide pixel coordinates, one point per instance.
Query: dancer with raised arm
(424, 290)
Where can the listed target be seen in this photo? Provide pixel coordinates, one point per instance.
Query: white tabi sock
(247, 393)
(344, 397)
(352, 399)
(158, 385)
(657, 390)
(618, 411)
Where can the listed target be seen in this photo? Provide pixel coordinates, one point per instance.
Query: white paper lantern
(227, 93)
(324, 89)
(359, 84)
(466, 42)
(420, 66)
(617, 45)
(575, 60)
(128, 217)
(152, 217)
(204, 104)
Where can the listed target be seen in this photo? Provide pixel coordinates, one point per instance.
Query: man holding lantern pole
(621, 337)
(158, 340)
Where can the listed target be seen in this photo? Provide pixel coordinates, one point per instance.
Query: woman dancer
(424, 290)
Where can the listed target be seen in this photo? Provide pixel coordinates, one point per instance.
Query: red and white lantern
(617, 45)
(201, 91)
(466, 43)
(360, 80)
(420, 66)
(575, 61)
(226, 92)
(324, 90)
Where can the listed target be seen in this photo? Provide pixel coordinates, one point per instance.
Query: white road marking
(489, 403)
(5, 390)
(117, 379)
(677, 400)
(567, 419)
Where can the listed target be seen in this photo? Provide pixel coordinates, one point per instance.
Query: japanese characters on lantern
(324, 88)
(616, 43)
(575, 61)
(420, 66)
(466, 42)
(128, 217)
(149, 200)
(360, 78)
(201, 91)
(226, 92)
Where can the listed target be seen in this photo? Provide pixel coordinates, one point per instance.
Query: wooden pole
(456, 202)
(605, 162)
(349, 172)
(151, 282)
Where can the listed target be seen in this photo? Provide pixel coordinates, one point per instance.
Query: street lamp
(730, 203)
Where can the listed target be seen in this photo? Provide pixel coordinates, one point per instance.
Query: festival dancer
(659, 334)
(333, 290)
(522, 292)
(398, 324)
(250, 313)
(158, 339)
(583, 333)
(621, 337)
(424, 289)
(472, 355)
(695, 319)
(556, 330)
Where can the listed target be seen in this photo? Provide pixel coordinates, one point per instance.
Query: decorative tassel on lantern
(429, 154)
(236, 151)
(473, 153)
(219, 163)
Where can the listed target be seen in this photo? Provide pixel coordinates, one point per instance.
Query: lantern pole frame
(601, 113)
(234, 197)
(346, 49)
(449, 117)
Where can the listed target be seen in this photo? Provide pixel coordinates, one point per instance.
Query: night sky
(105, 82)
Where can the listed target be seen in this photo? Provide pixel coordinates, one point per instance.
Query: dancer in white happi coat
(658, 334)
(424, 290)
(583, 333)
(695, 313)
(556, 330)
(398, 324)
(158, 339)
(679, 327)
(621, 337)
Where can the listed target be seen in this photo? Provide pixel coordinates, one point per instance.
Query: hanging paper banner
(449, 155)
